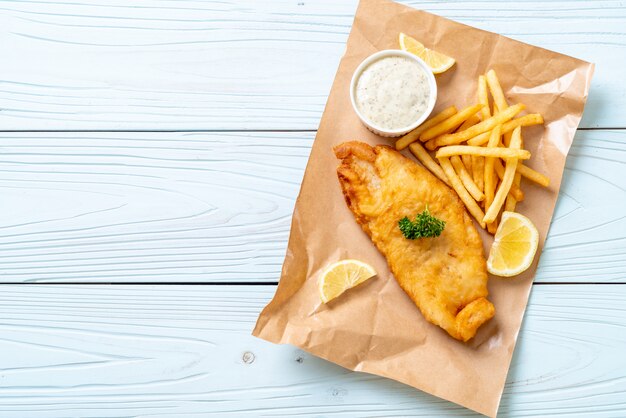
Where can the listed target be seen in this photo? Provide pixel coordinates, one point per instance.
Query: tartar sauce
(392, 92)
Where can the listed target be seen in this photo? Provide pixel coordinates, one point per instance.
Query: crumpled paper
(375, 327)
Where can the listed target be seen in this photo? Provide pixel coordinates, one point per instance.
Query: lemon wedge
(341, 276)
(514, 245)
(435, 60)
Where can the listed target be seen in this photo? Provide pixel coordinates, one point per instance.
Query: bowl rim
(432, 82)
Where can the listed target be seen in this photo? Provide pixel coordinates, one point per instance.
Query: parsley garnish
(424, 226)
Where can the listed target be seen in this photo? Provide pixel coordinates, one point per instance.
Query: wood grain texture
(148, 206)
(209, 207)
(164, 64)
(148, 351)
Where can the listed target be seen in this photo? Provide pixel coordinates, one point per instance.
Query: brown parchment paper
(375, 327)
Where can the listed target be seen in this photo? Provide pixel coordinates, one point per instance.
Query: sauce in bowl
(393, 92)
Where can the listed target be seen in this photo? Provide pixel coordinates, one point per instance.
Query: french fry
(511, 200)
(514, 195)
(506, 139)
(431, 145)
(457, 185)
(467, 162)
(532, 175)
(478, 171)
(490, 177)
(449, 151)
(471, 121)
(484, 126)
(412, 136)
(467, 181)
(483, 138)
(496, 91)
(483, 97)
(515, 191)
(427, 161)
(452, 122)
(505, 185)
(526, 120)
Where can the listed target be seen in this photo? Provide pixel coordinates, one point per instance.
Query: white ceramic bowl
(431, 82)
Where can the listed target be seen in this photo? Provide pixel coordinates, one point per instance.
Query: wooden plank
(148, 206)
(120, 351)
(587, 237)
(209, 207)
(243, 64)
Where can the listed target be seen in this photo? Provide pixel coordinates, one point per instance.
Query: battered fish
(446, 276)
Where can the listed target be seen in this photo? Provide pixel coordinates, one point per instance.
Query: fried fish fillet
(445, 276)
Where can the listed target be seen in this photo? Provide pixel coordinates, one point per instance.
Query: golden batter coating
(445, 276)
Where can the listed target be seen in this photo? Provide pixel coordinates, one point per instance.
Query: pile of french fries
(479, 152)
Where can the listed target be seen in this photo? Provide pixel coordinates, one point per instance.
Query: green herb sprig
(424, 226)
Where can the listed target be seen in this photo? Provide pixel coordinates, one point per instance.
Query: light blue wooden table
(151, 152)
